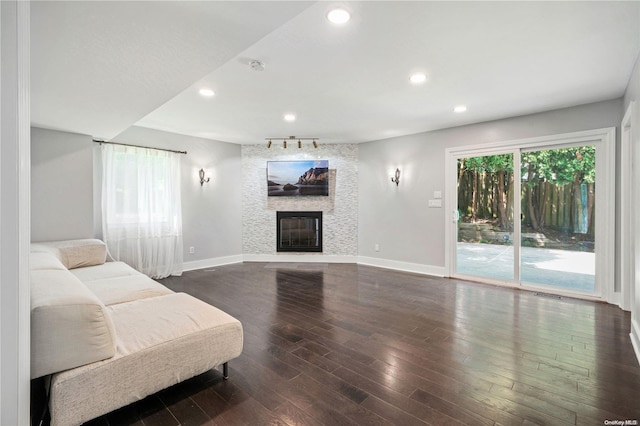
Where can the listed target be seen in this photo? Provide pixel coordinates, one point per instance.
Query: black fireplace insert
(299, 231)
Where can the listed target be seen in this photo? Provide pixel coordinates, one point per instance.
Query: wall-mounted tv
(297, 178)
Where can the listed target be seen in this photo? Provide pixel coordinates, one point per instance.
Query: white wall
(633, 94)
(14, 213)
(340, 217)
(409, 234)
(211, 213)
(62, 185)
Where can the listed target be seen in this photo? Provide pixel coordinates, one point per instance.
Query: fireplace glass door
(299, 231)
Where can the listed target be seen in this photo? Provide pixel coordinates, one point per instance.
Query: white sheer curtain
(141, 208)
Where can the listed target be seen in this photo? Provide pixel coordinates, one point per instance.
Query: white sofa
(110, 336)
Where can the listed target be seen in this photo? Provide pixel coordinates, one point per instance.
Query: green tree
(485, 183)
(499, 170)
(565, 166)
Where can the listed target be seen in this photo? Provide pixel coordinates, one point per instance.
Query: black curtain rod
(140, 146)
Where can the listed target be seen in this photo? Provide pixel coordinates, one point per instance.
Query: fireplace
(299, 231)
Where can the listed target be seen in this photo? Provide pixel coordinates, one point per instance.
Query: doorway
(534, 213)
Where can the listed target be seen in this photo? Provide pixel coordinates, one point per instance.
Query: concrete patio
(565, 269)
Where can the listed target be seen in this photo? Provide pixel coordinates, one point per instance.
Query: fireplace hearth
(299, 231)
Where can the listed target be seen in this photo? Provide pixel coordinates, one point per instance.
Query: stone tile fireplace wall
(340, 208)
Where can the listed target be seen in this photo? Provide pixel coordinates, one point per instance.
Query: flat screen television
(297, 178)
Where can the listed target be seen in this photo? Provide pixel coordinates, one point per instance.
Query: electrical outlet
(435, 203)
(192, 250)
(377, 247)
(437, 194)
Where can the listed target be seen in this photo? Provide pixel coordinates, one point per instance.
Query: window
(141, 208)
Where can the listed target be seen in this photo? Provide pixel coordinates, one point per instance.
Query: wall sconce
(202, 179)
(396, 179)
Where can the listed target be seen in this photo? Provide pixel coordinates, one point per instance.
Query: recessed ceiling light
(338, 16)
(460, 108)
(207, 92)
(289, 117)
(418, 78)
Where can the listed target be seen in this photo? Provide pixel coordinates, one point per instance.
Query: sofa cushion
(43, 261)
(80, 253)
(116, 290)
(107, 270)
(69, 324)
(161, 341)
(117, 282)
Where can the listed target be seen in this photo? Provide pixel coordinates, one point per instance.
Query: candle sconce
(396, 179)
(202, 178)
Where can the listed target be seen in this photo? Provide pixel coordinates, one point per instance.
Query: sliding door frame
(604, 140)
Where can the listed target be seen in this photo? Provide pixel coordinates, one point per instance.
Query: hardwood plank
(152, 411)
(315, 359)
(392, 413)
(471, 403)
(551, 411)
(325, 397)
(585, 410)
(294, 416)
(397, 400)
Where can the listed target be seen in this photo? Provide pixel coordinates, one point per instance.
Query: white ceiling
(100, 67)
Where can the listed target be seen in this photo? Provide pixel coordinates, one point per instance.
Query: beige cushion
(161, 341)
(107, 270)
(43, 260)
(80, 253)
(117, 282)
(69, 324)
(115, 290)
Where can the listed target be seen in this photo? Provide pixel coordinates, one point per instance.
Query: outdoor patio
(574, 270)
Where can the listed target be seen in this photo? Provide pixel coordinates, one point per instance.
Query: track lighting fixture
(293, 138)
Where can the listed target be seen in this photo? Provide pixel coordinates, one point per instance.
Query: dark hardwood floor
(334, 344)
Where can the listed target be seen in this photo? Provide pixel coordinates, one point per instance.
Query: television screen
(297, 178)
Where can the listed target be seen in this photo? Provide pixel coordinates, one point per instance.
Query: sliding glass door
(529, 214)
(484, 212)
(558, 217)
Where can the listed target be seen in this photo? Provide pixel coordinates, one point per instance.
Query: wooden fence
(545, 205)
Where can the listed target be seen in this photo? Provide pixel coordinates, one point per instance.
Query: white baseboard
(317, 258)
(635, 338)
(210, 263)
(438, 271)
(616, 299)
(310, 258)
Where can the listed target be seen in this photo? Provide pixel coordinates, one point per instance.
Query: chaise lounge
(109, 335)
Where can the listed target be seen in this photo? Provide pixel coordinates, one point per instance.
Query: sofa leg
(225, 370)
